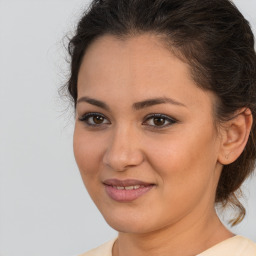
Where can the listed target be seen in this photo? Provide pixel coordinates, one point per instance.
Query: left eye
(159, 120)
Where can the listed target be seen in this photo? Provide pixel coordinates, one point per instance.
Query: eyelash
(86, 117)
(166, 118)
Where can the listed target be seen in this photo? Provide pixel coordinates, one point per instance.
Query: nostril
(121, 159)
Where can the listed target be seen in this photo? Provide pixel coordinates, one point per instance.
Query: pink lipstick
(126, 190)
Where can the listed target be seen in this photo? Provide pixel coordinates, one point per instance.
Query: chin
(129, 227)
(131, 224)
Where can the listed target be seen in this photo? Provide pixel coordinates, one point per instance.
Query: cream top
(234, 246)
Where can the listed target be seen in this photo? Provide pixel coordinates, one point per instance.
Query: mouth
(126, 190)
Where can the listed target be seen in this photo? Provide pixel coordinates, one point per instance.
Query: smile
(126, 190)
(129, 187)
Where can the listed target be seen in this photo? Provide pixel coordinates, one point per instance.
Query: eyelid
(84, 118)
(171, 120)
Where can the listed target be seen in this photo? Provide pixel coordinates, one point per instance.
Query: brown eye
(158, 121)
(94, 119)
(98, 119)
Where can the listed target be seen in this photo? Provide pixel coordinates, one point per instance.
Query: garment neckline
(210, 248)
(219, 246)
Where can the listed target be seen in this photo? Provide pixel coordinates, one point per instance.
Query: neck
(175, 240)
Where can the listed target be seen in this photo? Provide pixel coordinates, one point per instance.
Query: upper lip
(125, 183)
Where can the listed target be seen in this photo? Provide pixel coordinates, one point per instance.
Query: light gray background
(44, 208)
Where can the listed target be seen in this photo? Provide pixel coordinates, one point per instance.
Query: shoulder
(235, 246)
(103, 250)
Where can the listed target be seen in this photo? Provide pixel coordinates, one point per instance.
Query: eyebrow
(136, 106)
(156, 101)
(94, 102)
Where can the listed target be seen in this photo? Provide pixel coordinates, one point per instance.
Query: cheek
(87, 153)
(185, 161)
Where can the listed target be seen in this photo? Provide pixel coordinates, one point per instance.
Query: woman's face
(144, 139)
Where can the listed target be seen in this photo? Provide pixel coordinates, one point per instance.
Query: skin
(183, 159)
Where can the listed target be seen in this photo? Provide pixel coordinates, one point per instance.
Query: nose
(123, 150)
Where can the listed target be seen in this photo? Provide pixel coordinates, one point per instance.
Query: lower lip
(123, 195)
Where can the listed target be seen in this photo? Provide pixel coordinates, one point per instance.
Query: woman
(165, 98)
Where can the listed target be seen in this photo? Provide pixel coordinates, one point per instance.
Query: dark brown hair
(212, 36)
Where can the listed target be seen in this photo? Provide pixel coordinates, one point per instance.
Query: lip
(125, 183)
(122, 191)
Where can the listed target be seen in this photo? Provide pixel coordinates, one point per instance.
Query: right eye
(94, 119)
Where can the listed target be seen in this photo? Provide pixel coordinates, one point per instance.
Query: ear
(234, 136)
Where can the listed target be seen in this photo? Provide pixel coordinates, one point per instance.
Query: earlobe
(235, 133)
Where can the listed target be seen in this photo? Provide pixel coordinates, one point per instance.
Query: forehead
(136, 68)
(139, 54)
